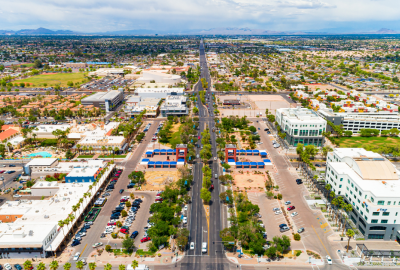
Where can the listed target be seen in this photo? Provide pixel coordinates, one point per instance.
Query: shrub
(119, 224)
(114, 235)
(275, 197)
(108, 248)
(298, 253)
(279, 196)
(128, 204)
(124, 213)
(297, 237)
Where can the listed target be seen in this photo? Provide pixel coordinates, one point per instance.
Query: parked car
(275, 209)
(124, 231)
(288, 202)
(290, 208)
(284, 229)
(282, 225)
(75, 243)
(18, 267)
(192, 245)
(300, 230)
(294, 214)
(145, 239)
(97, 245)
(121, 191)
(328, 259)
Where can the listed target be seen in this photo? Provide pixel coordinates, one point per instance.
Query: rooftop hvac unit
(24, 218)
(46, 216)
(37, 211)
(30, 233)
(70, 192)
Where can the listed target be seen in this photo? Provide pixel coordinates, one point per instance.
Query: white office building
(159, 77)
(174, 105)
(371, 184)
(301, 125)
(354, 121)
(158, 92)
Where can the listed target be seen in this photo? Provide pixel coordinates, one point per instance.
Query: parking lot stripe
(324, 225)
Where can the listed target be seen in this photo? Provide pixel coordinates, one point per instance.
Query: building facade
(107, 101)
(174, 105)
(370, 183)
(301, 125)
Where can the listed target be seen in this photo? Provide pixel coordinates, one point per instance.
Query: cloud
(177, 15)
(304, 4)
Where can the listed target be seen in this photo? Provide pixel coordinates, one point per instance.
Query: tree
(79, 265)
(38, 64)
(41, 266)
(326, 150)
(195, 110)
(269, 194)
(134, 264)
(205, 195)
(27, 265)
(53, 265)
(350, 233)
(61, 225)
(121, 267)
(67, 266)
(226, 166)
(92, 266)
(108, 266)
(271, 252)
(128, 243)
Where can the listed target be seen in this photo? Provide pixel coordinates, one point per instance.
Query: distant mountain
(386, 31)
(227, 31)
(39, 31)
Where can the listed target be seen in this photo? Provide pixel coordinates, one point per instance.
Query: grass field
(365, 142)
(85, 156)
(111, 156)
(53, 79)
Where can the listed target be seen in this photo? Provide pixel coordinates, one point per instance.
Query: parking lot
(107, 84)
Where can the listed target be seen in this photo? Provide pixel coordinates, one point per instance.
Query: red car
(111, 223)
(119, 171)
(290, 208)
(117, 175)
(159, 200)
(199, 137)
(2, 171)
(123, 200)
(124, 231)
(212, 187)
(115, 179)
(145, 239)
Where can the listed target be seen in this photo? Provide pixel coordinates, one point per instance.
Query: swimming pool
(42, 154)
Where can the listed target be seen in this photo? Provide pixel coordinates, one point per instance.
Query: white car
(278, 212)
(215, 158)
(192, 245)
(7, 266)
(288, 202)
(97, 245)
(294, 214)
(81, 234)
(275, 209)
(184, 220)
(76, 257)
(185, 208)
(328, 259)
(17, 196)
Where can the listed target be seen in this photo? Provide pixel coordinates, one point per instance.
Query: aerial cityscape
(208, 139)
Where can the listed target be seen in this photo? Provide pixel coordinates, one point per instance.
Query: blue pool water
(42, 154)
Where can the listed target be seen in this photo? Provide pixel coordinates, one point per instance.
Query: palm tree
(66, 222)
(41, 266)
(61, 224)
(79, 265)
(135, 264)
(84, 149)
(54, 265)
(27, 265)
(347, 208)
(107, 266)
(103, 148)
(92, 266)
(109, 149)
(79, 147)
(90, 149)
(121, 267)
(67, 266)
(34, 137)
(350, 233)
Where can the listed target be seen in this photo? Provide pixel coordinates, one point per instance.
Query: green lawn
(110, 156)
(356, 142)
(142, 252)
(175, 136)
(53, 79)
(85, 156)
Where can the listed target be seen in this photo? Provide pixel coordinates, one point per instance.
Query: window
(378, 228)
(372, 199)
(381, 202)
(374, 221)
(360, 193)
(356, 189)
(384, 221)
(385, 213)
(352, 185)
(375, 236)
(375, 213)
(348, 181)
(367, 210)
(389, 202)
(396, 214)
(341, 179)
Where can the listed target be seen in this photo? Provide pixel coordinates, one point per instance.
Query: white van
(204, 247)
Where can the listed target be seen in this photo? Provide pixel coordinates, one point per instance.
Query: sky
(181, 15)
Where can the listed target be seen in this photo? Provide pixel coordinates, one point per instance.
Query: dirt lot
(156, 180)
(258, 105)
(249, 181)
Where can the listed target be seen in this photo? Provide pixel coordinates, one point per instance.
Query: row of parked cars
(146, 238)
(81, 233)
(8, 266)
